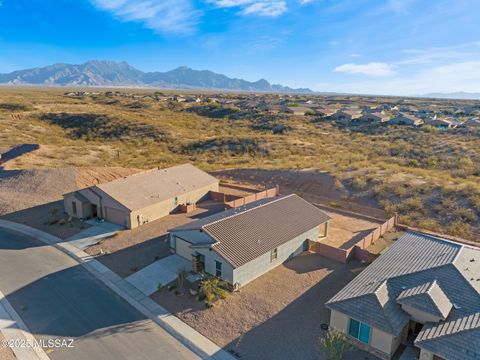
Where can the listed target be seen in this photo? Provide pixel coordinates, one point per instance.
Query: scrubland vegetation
(431, 178)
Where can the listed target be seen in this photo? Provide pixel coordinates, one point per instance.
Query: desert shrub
(461, 229)
(336, 344)
(465, 214)
(413, 204)
(359, 183)
(16, 107)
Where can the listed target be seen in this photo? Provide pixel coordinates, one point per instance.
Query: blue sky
(399, 47)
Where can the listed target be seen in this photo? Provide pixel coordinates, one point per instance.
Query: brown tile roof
(139, 191)
(245, 235)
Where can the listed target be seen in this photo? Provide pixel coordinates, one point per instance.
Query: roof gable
(428, 297)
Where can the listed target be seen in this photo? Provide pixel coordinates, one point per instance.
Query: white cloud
(370, 69)
(450, 78)
(270, 8)
(163, 16)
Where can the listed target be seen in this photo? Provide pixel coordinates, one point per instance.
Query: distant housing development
(139, 199)
(423, 293)
(241, 244)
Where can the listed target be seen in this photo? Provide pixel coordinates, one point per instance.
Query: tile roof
(245, 233)
(138, 191)
(418, 264)
(428, 297)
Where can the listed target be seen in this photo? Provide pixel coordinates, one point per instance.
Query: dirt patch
(346, 230)
(384, 242)
(5, 352)
(277, 316)
(22, 189)
(313, 185)
(132, 250)
(28, 196)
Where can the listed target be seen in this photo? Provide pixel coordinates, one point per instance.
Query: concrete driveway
(163, 271)
(59, 299)
(90, 236)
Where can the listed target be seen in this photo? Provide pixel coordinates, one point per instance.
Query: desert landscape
(62, 142)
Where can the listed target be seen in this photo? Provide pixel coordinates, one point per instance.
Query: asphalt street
(58, 299)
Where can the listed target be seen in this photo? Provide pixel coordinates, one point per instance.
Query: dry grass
(432, 178)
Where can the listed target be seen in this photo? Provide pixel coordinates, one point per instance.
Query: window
(74, 208)
(175, 201)
(218, 268)
(273, 254)
(359, 331)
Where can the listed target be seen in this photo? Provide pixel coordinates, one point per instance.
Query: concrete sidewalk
(14, 329)
(188, 336)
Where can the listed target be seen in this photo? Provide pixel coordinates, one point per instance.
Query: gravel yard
(277, 316)
(132, 250)
(5, 352)
(346, 230)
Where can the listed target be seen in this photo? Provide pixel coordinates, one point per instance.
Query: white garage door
(183, 249)
(115, 216)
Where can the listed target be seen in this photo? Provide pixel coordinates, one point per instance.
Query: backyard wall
(269, 193)
(358, 249)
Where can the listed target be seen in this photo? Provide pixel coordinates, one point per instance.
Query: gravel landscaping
(277, 316)
(132, 250)
(5, 352)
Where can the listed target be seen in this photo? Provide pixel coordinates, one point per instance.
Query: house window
(218, 268)
(74, 208)
(175, 201)
(273, 254)
(359, 331)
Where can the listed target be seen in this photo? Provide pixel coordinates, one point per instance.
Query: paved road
(57, 298)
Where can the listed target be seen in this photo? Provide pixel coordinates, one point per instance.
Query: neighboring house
(424, 292)
(376, 117)
(472, 123)
(300, 110)
(139, 199)
(276, 109)
(325, 112)
(441, 123)
(346, 115)
(405, 119)
(241, 244)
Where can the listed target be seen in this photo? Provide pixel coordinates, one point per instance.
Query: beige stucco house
(141, 198)
(424, 292)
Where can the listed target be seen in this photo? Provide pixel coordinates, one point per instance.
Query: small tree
(182, 274)
(53, 214)
(336, 344)
(212, 289)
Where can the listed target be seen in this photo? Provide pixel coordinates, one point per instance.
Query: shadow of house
(294, 332)
(357, 237)
(46, 217)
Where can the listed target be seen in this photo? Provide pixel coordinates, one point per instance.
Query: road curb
(14, 329)
(188, 336)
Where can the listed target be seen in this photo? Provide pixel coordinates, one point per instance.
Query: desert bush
(16, 107)
(359, 183)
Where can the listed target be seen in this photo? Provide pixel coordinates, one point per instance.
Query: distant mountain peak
(111, 73)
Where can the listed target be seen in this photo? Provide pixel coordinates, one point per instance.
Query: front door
(94, 211)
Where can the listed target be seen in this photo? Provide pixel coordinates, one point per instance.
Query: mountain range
(110, 73)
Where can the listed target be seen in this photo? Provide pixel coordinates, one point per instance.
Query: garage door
(183, 249)
(115, 216)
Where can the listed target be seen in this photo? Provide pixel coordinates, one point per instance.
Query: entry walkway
(161, 272)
